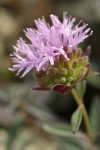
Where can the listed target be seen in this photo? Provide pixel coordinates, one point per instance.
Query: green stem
(85, 115)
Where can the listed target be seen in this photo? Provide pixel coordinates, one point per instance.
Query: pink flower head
(47, 43)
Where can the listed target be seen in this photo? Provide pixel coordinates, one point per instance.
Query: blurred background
(24, 113)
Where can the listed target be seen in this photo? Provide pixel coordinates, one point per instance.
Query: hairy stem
(85, 115)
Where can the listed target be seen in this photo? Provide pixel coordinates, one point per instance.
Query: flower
(53, 51)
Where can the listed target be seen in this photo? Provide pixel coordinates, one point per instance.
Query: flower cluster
(52, 49)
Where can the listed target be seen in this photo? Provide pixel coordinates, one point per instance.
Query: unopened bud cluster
(65, 72)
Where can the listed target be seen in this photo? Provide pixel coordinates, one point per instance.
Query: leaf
(12, 131)
(95, 115)
(74, 144)
(62, 130)
(76, 119)
(58, 129)
(61, 88)
(65, 137)
(81, 88)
